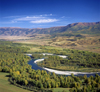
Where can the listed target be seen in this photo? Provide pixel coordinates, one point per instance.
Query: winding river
(32, 62)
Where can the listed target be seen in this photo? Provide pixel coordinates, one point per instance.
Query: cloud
(50, 14)
(44, 21)
(10, 22)
(28, 18)
(37, 19)
(45, 18)
(63, 17)
(47, 15)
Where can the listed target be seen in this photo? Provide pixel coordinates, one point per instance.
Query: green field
(61, 89)
(5, 85)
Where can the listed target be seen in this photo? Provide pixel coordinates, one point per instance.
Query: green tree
(25, 82)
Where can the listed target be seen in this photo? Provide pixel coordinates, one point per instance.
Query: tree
(89, 87)
(85, 76)
(48, 85)
(45, 85)
(56, 85)
(40, 85)
(87, 81)
(52, 84)
(72, 75)
(25, 82)
(84, 89)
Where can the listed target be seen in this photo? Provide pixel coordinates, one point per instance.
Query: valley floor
(88, 43)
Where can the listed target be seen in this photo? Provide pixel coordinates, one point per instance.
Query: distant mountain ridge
(88, 28)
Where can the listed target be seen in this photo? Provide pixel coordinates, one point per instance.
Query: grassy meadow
(61, 89)
(5, 85)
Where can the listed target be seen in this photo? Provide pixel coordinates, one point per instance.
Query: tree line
(76, 58)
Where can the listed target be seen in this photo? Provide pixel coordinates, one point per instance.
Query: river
(36, 67)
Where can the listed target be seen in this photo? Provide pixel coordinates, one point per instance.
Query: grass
(61, 89)
(5, 86)
(32, 48)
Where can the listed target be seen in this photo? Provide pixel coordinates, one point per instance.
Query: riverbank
(63, 72)
(38, 60)
(67, 72)
(59, 71)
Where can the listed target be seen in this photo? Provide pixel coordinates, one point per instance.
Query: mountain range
(84, 28)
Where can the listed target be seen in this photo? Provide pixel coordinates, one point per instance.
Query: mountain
(13, 31)
(85, 28)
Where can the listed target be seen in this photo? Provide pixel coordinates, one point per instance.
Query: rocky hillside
(85, 28)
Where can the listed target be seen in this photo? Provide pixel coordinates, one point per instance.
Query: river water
(36, 67)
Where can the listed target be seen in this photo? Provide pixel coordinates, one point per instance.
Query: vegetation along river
(32, 62)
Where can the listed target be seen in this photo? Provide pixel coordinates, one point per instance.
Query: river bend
(33, 62)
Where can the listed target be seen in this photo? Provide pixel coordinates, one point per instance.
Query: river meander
(32, 62)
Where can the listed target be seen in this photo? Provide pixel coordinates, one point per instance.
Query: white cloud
(50, 14)
(45, 18)
(63, 17)
(28, 18)
(13, 21)
(41, 15)
(10, 22)
(37, 19)
(44, 21)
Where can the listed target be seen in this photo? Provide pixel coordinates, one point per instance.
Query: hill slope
(85, 28)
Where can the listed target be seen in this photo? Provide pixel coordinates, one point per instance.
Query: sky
(47, 13)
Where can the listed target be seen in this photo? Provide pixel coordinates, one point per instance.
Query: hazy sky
(47, 13)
